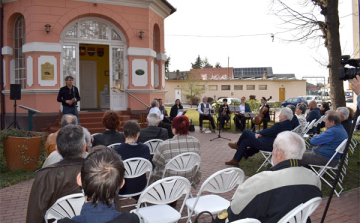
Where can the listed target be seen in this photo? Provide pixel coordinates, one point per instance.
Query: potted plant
(21, 148)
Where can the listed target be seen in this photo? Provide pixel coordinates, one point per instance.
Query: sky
(189, 32)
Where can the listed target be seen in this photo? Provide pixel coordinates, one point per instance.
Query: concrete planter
(22, 153)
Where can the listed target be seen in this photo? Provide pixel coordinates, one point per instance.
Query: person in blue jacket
(263, 140)
(325, 144)
(314, 114)
(241, 121)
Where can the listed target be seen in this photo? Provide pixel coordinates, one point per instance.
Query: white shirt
(199, 107)
(156, 110)
(242, 109)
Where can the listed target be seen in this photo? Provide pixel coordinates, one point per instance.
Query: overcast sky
(239, 18)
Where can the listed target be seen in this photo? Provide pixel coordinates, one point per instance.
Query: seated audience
(263, 140)
(323, 108)
(240, 121)
(111, 121)
(153, 131)
(203, 116)
(50, 145)
(180, 143)
(344, 117)
(294, 120)
(132, 149)
(101, 177)
(314, 114)
(155, 108)
(325, 144)
(162, 108)
(175, 109)
(224, 114)
(270, 195)
(300, 113)
(58, 180)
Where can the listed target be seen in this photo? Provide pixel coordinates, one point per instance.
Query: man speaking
(69, 96)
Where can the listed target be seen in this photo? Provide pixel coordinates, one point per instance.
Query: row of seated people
(267, 196)
(55, 180)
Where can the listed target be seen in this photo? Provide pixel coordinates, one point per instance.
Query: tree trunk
(332, 43)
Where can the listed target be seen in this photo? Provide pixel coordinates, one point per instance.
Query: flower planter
(22, 153)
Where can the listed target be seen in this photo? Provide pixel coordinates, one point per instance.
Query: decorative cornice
(41, 47)
(146, 91)
(34, 91)
(161, 56)
(7, 51)
(145, 52)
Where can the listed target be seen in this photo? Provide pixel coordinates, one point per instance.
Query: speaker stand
(15, 122)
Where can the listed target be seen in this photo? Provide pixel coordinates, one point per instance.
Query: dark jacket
(50, 184)
(294, 122)
(108, 137)
(67, 94)
(174, 110)
(314, 114)
(153, 132)
(125, 217)
(247, 107)
(347, 124)
(163, 110)
(128, 151)
(270, 195)
(269, 135)
(221, 109)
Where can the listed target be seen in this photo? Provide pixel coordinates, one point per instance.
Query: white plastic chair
(153, 144)
(267, 155)
(301, 213)
(161, 193)
(113, 145)
(135, 167)
(65, 207)
(220, 182)
(330, 171)
(182, 163)
(296, 128)
(247, 220)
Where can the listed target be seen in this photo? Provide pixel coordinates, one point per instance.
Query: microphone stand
(219, 136)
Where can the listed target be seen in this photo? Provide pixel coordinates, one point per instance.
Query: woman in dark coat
(111, 121)
(174, 109)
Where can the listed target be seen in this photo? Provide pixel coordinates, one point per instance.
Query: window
(262, 87)
(19, 41)
(238, 87)
(201, 87)
(225, 87)
(213, 87)
(250, 87)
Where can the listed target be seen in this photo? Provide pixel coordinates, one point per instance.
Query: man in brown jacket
(59, 179)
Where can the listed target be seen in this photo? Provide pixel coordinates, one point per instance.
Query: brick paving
(14, 199)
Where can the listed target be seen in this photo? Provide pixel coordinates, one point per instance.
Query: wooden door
(281, 94)
(88, 92)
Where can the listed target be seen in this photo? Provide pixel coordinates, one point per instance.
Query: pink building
(107, 46)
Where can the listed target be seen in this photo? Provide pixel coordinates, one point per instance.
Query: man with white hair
(270, 195)
(153, 131)
(155, 108)
(344, 116)
(263, 140)
(325, 144)
(202, 115)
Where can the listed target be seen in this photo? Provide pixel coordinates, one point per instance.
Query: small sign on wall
(47, 71)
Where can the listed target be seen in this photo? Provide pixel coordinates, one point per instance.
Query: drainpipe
(2, 120)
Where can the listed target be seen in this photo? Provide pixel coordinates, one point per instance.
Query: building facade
(108, 47)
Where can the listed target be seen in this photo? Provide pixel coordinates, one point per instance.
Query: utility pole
(228, 68)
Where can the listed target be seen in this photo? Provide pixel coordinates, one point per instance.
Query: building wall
(293, 88)
(129, 19)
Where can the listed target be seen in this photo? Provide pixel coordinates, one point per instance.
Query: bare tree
(306, 26)
(191, 87)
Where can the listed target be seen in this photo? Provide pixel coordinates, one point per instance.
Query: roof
(170, 6)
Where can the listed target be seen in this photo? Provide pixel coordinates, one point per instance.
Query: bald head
(312, 104)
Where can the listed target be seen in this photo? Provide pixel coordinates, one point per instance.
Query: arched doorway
(94, 54)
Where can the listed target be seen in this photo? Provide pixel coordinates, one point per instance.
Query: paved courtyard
(14, 199)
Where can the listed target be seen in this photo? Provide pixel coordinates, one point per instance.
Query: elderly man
(203, 116)
(270, 195)
(59, 179)
(263, 140)
(153, 131)
(294, 120)
(344, 116)
(155, 108)
(326, 143)
(314, 114)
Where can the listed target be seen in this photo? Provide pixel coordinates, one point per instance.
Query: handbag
(191, 128)
(216, 220)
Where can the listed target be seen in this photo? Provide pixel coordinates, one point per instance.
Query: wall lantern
(47, 28)
(141, 34)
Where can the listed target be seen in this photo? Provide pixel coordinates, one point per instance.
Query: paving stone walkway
(14, 199)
